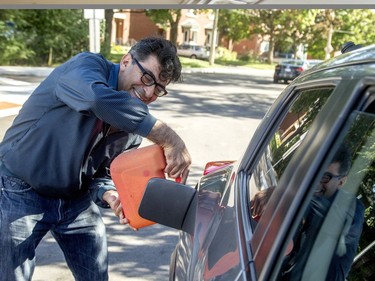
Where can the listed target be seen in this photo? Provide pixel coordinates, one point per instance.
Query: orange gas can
(130, 172)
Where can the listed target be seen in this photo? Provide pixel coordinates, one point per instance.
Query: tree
(166, 18)
(346, 25)
(40, 37)
(106, 45)
(268, 23)
(13, 44)
(298, 31)
(234, 24)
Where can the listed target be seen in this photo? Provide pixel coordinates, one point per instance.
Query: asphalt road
(215, 113)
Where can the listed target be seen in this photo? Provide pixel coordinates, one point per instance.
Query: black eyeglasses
(328, 176)
(149, 80)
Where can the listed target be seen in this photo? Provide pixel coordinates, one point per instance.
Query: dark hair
(165, 52)
(343, 156)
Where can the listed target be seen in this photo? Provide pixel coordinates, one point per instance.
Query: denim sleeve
(98, 187)
(83, 86)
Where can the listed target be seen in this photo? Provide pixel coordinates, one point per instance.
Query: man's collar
(113, 76)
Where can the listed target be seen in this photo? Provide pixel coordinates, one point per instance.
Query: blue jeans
(26, 217)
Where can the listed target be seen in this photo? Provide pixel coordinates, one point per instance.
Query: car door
(184, 50)
(286, 123)
(201, 253)
(293, 175)
(216, 249)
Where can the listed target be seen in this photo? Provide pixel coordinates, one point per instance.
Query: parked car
(289, 69)
(193, 51)
(300, 234)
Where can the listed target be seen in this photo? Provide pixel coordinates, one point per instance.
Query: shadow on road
(221, 95)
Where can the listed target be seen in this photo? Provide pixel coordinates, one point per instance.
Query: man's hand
(176, 154)
(113, 200)
(259, 201)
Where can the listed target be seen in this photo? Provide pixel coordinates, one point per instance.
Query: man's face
(130, 78)
(331, 181)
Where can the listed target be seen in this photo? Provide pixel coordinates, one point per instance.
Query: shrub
(225, 54)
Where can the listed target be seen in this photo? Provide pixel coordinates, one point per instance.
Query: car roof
(293, 62)
(363, 55)
(360, 55)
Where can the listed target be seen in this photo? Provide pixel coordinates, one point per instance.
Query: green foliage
(161, 16)
(41, 37)
(297, 29)
(224, 54)
(119, 49)
(13, 44)
(50, 36)
(286, 29)
(234, 24)
(193, 63)
(166, 17)
(348, 24)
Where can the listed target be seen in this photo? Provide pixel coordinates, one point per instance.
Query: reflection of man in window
(345, 225)
(333, 179)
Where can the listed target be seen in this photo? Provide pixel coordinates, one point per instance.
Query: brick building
(132, 25)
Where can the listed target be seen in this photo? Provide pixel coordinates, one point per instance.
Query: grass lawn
(196, 63)
(188, 62)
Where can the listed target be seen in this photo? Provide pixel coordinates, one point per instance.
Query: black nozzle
(350, 46)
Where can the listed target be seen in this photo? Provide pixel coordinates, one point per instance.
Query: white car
(193, 51)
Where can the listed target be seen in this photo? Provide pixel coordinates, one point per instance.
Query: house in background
(195, 28)
(131, 25)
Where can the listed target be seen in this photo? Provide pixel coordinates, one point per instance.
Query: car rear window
(292, 62)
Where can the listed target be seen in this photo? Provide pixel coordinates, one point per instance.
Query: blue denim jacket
(51, 142)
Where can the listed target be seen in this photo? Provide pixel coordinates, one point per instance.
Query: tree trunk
(50, 57)
(271, 50)
(173, 33)
(106, 46)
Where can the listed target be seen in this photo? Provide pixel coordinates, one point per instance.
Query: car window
(283, 143)
(338, 224)
(293, 62)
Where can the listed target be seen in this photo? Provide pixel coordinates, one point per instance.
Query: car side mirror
(169, 203)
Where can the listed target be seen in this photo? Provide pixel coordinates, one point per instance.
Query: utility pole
(94, 16)
(214, 38)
